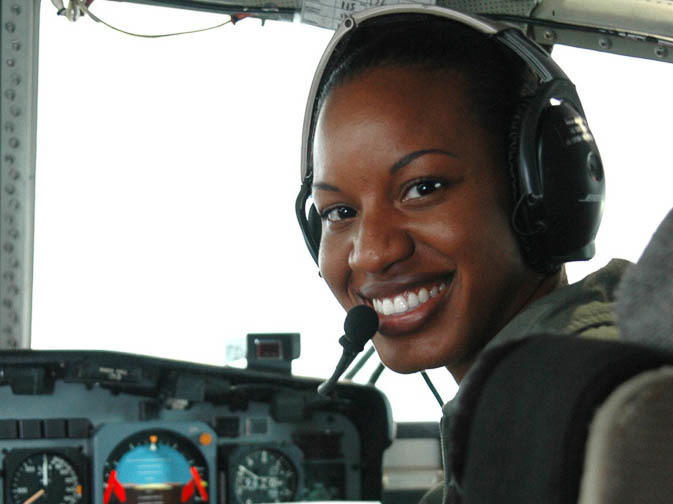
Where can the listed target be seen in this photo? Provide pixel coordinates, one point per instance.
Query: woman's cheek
(333, 265)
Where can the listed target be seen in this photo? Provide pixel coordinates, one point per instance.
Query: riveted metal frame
(19, 24)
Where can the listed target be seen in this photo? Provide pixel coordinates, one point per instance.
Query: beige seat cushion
(629, 453)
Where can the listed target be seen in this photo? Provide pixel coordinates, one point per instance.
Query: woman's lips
(408, 310)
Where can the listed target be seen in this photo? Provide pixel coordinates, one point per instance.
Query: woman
(453, 174)
(412, 156)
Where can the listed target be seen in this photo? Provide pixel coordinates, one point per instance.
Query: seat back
(526, 435)
(629, 454)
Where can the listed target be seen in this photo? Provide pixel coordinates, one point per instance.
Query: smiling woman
(419, 171)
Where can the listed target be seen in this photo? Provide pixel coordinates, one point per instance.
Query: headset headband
(533, 55)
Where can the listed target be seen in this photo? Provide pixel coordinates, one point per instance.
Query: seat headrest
(644, 305)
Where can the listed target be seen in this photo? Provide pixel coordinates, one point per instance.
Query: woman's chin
(405, 361)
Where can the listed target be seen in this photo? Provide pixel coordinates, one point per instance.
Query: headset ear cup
(523, 228)
(513, 139)
(560, 221)
(314, 229)
(574, 183)
(309, 221)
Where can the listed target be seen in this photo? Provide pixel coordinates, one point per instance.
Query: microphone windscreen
(361, 324)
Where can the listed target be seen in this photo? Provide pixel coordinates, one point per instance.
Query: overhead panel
(640, 28)
(511, 7)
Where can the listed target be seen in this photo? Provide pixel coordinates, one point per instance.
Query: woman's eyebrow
(416, 154)
(394, 168)
(325, 187)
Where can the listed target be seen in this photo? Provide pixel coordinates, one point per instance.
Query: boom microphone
(360, 325)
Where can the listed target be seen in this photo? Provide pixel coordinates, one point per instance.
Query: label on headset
(330, 13)
(578, 131)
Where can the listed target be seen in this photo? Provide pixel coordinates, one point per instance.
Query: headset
(557, 171)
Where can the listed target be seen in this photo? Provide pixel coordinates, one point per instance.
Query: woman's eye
(339, 213)
(423, 188)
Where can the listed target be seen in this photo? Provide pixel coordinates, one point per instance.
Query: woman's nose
(380, 241)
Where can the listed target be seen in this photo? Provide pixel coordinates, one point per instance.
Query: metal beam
(19, 23)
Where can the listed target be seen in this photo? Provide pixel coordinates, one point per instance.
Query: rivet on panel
(14, 174)
(9, 127)
(604, 43)
(660, 52)
(7, 303)
(8, 276)
(13, 316)
(10, 27)
(9, 159)
(16, 45)
(15, 79)
(8, 247)
(13, 290)
(14, 204)
(14, 142)
(13, 233)
(10, 94)
(16, 9)
(15, 110)
(11, 62)
(10, 189)
(550, 35)
(14, 263)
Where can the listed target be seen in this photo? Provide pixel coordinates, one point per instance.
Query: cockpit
(163, 331)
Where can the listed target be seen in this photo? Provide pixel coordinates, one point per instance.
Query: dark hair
(497, 80)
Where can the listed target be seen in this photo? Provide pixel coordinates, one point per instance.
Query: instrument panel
(110, 428)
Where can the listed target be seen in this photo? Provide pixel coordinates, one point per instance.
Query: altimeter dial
(264, 475)
(44, 478)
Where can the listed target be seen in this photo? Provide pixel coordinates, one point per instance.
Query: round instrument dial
(158, 466)
(264, 475)
(44, 478)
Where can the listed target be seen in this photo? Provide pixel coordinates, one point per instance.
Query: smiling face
(414, 199)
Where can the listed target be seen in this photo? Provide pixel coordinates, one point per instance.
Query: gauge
(157, 466)
(43, 477)
(263, 475)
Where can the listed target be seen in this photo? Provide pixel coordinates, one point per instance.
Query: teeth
(400, 304)
(412, 300)
(405, 302)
